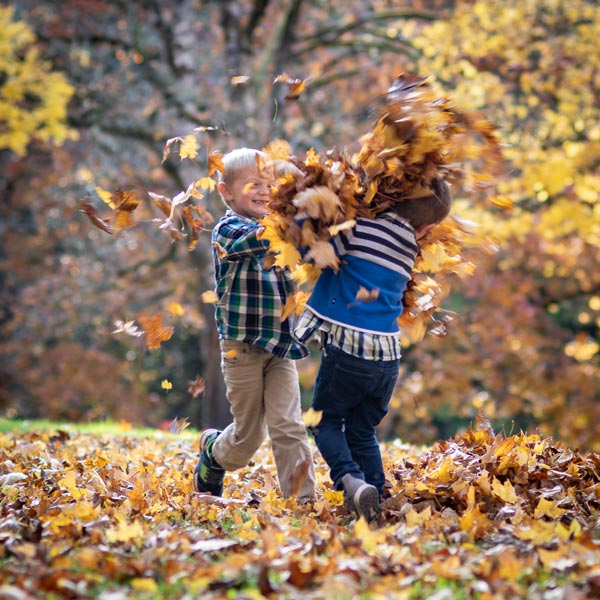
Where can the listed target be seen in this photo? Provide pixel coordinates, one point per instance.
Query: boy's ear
(222, 187)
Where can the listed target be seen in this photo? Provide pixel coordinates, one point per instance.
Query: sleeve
(241, 241)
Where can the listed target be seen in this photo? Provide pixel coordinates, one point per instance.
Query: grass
(95, 428)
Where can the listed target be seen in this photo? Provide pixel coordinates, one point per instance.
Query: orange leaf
(156, 332)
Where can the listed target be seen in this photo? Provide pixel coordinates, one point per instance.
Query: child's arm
(241, 241)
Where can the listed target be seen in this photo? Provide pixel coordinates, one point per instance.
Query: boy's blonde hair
(239, 159)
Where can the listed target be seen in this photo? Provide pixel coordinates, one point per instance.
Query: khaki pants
(264, 396)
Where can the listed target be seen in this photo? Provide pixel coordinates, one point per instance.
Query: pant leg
(283, 414)
(360, 425)
(337, 392)
(243, 375)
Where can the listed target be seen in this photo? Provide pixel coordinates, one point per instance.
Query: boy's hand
(323, 255)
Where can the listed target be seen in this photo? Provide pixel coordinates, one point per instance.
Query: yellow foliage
(33, 99)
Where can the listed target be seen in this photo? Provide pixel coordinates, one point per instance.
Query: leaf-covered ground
(115, 517)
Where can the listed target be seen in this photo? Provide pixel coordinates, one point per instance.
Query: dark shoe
(361, 497)
(208, 474)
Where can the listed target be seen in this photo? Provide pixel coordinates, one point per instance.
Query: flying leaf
(312, 417)
(125, 203)
(365, 295)
(189, 147)
(323, 255)
(239, 79)
(197, 387)
(335, 229)
(87, 208)
(105, 196)
(296, 86)
(175, 309)
(178, 425)
(209, 297)
(156, 332)
(167, 148)
(215, 162)
(127, 327)
(165, 384)
(221, 252)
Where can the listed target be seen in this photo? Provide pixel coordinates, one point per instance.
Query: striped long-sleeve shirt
(377, 256)
(250, 297)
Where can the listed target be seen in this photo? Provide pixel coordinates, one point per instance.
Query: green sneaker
(208, 474)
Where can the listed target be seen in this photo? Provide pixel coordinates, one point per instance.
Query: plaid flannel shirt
(250, 297)
(368, 346)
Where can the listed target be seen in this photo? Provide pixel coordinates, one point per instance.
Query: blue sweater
(377, 254)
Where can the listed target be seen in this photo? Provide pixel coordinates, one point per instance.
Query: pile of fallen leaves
(115, 517)
(419, 136)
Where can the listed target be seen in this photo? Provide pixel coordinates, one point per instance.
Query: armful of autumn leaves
(418, 135)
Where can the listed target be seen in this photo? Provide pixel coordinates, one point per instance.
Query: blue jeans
(354, 395)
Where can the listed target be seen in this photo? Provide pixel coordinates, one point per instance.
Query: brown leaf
(87, 208)
(197, 387)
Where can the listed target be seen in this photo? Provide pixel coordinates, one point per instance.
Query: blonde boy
(257, 348)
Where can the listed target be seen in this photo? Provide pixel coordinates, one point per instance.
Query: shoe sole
(366, 501)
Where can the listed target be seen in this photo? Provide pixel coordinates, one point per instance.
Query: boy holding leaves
(355, 305)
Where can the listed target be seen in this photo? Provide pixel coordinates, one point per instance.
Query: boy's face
(247, 194)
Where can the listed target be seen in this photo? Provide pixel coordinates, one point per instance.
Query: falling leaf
(166, 384)
(209, 297)
(323, 255)
(175, 309)
(365, 295)
(87, 208)
(296, 86)
(189, 147)
(221, 252)
(197, 387)
(335, 229)
(312, 417)
(239, 79)
(206, 183)
(215, 162)
(168, 144)
(156, 332)
(106, 197)
(176, 426)
(127, 327)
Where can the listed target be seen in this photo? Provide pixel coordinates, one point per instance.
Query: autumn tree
(143, 73)
(525, 345)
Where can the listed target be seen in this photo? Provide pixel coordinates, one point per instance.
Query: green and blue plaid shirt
(250, 297)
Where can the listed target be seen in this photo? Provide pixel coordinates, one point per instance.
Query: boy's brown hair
(426, 209)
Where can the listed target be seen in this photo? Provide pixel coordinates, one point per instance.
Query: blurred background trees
(90, 91)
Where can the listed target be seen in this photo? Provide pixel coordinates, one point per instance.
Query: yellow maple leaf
(124, 531)
(209, 297)
(206, 183)
(505, 491)
(69, 481)
(166, 384)
(175, 309)
(189, 147)
(548, 508)
(312, 417)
